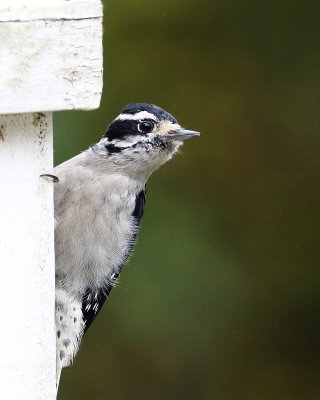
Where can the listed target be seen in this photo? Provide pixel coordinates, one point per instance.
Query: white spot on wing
(95, 307)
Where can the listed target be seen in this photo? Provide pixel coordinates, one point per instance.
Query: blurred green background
(221, 300)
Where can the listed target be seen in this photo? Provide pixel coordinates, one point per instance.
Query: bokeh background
(221, 300)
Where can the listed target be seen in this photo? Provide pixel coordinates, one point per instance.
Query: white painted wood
(31, 10)
(27, 337)
(50, 55)
(50, 59)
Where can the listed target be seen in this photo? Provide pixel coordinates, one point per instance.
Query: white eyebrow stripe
(137, 116)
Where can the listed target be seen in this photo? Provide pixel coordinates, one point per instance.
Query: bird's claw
(54, 178)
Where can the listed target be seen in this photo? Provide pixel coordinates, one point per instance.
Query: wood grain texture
(50, 56)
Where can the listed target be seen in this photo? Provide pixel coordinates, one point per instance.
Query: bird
(99, 200)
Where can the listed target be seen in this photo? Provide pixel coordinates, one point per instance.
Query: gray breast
(94, 234)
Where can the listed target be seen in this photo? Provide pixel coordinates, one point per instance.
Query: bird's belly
(89, 251)
(107, 247)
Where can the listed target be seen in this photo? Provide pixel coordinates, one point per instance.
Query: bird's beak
(182, 134)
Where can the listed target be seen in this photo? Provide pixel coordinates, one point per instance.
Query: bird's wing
(93, 301)
(139, 207)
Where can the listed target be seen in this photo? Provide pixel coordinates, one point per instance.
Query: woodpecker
(99, 199)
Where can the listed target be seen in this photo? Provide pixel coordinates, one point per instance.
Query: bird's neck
(135, 165)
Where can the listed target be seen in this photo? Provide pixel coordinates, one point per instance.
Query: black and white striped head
(145, 134)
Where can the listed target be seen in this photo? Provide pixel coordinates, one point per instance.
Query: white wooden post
(50, 59)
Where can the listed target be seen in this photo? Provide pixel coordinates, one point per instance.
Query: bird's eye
(146, 126)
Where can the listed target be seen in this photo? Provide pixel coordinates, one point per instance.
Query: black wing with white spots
(93, 301)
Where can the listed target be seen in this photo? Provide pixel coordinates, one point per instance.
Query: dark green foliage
(221, 300)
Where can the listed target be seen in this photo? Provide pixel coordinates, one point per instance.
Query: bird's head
(142, 137)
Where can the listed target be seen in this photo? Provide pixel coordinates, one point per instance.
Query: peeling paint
(59, 69)
(38, 118)
(2, 133)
